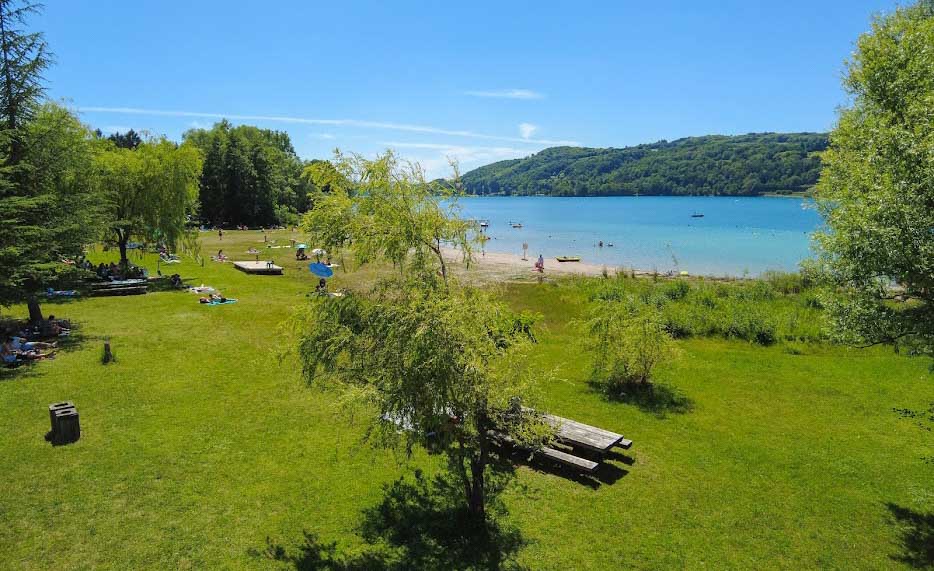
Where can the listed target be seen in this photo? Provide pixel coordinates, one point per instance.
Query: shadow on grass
(917, 536)
(605, 474)
(25, 369)
(655, 398)
(419, 524)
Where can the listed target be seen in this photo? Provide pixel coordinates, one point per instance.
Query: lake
(736, 236)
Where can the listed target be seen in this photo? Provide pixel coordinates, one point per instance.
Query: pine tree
(46, 173)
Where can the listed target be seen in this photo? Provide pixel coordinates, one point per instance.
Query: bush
(787, 283)
(628, 341)
(676, 290)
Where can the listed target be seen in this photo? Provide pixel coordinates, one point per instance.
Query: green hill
(746, 165)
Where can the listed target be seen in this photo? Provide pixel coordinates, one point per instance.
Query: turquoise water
(736, 236)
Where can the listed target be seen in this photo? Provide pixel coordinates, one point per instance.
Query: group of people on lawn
(114, 272)
(18, 348)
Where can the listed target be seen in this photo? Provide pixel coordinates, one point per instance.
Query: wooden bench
(571, 460)
(121, 287)
(554, 454)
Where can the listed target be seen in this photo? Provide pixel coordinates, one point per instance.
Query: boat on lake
(568, 258)
(697, 215)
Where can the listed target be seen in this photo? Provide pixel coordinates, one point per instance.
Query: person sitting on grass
(10, 355)
(56, 327)
(176, 281)
(322, 286)
(21, 344)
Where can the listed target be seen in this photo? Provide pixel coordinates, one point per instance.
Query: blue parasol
(302, 246)
(320, 270)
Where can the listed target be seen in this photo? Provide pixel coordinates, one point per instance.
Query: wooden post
(108, 354)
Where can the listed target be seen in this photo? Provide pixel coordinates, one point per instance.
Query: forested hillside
(713, 165)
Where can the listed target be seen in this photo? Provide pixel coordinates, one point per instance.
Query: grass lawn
(198, 444)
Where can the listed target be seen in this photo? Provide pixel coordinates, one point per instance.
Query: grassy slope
(198, 444)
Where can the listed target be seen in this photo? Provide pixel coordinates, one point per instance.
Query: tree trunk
(476, 500)
(35, 312)
(122, 241)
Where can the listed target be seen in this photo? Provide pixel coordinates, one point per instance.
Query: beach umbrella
(302, 246)
(320, 270)
(318, 252)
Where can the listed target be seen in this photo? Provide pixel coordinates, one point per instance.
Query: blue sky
(478, 81)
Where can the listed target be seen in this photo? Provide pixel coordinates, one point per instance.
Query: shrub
(628, 342)
(787, 283)
(678, 289)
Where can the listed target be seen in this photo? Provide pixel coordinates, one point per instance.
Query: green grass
(198, 444)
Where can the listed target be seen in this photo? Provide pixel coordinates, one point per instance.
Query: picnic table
(580, 435)
(120, 287)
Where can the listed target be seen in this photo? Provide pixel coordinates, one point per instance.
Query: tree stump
(108, 356)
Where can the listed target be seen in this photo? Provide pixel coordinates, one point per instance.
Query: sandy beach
(502, 266)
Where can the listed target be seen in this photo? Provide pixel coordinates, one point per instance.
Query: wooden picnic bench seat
(554, 454)
(120, 287)
(584, 464)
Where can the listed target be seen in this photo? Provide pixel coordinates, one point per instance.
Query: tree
(390, 212)
(46, 183)
(48, 212)
(628, 340)
(251, 176)
(876, 190)
(24, 56)
(149, 191)
(441, 361)
(129, 140)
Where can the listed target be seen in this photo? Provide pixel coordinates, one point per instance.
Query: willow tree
(389, 212)
(876, 189)
(149, 191)
(434, 362)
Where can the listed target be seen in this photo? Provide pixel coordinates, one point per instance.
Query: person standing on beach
(540, 264)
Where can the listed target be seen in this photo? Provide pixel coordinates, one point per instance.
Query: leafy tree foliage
(149, 192)
(129, 140)
(46, 183)
(434, 361)
(24, 56)
(49, 212)
(714, 165)
(628, 340)
(388, 210)
(251, 176)
(441, 361)
(877, 187)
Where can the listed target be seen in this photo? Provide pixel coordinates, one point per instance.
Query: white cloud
(436, 164)
(507, 94)
(526, 130)
(199, 125)
(365, 124)
(111, 129)
(323, 136)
